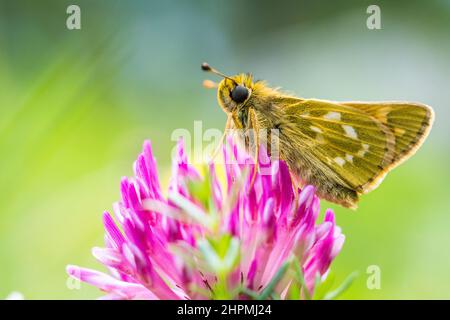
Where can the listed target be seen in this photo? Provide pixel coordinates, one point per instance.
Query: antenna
(206, 67)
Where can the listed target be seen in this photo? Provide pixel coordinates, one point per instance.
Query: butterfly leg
(222, 139)
(296, 184)
(236, 121)
(253, 124)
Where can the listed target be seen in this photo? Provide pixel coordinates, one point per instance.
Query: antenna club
(206, 67)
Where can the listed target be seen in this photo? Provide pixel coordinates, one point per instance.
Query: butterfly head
(232, 92)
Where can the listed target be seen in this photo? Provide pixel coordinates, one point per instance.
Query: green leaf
(295, 291)
(317, 281)
(232, 256)
(267, 292)
(322, 288)
(201, 189)
(342, 288)
(301, 279)
(221, 244)
(222, 254)
(210, 255)
(252, 294)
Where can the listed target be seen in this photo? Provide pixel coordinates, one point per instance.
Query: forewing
(409, 122)
(347, 143)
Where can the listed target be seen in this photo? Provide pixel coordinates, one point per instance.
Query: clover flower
(244, 236)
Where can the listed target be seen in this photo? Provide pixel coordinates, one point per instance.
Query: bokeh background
(75, 107)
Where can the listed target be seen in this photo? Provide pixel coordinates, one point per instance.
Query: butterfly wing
(409, 122)
(346, 149)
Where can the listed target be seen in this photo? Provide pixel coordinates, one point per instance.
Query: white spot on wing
(350, 131)
(363, 151)
(349, 158)
(318, 130)
(339, 161)
(333, 116)
(320, 138)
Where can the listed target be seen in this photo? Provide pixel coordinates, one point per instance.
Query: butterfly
(344, 149)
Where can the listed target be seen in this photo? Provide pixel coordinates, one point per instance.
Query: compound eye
(239, 94)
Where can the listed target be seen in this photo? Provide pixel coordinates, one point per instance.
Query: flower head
(244, 236)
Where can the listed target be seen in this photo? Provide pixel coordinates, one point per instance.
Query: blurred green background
(75, 107)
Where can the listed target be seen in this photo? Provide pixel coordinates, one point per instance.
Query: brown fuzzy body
(344, 149)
